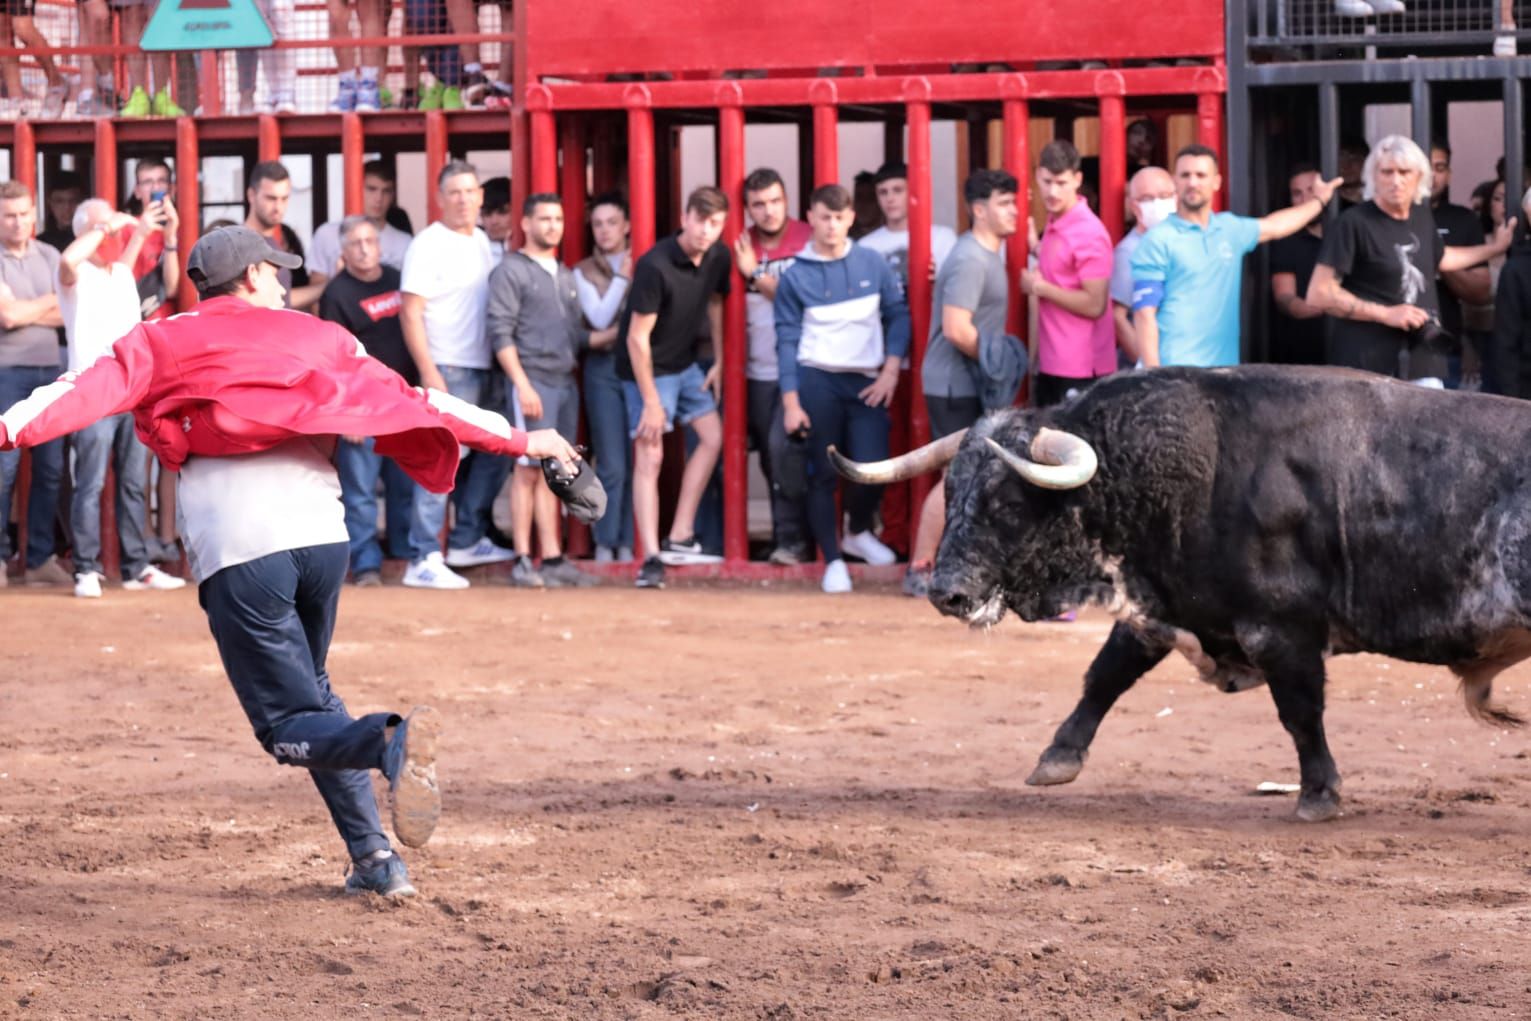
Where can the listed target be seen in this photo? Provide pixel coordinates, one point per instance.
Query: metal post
(1514, 147)
(826, 133)
(1419, 112)
(106, 160)
(353, 156)
(1329, 130)
(573, 187)
(736, 547)
(1018, 162)
(211, 84)
(917, 113)
(24, 156)
(435, 159)
(544, 153)
(640, 169)
(1113, 153)
(269, 132)
(1209, 130)
(188, 201)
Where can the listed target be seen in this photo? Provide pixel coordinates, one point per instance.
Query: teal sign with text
(207, 25)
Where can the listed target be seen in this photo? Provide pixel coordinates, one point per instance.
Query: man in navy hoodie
(842, 329)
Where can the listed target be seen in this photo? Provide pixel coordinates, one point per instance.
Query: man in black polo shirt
(1458, 227)
(678, 287)
(1301, 329)
(364, 298)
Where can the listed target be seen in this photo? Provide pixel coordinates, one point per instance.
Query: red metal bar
(269, 134)
(188, 202)
(640, 176)
(1209, 131)
(210, 84)
(520, 168)
(572, 186)
(736, 540)
(1113, 159)
(435, 159)
(544, 151)
(1018, 161)
(603, 155)
(826, 136)
(24, 156)
(917, 114)
(106, 161)
(353, 156)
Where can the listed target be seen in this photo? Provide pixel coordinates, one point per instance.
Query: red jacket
(233, 378)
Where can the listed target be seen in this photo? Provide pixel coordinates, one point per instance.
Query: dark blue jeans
(479, 476)
(607, 413)
(839, 418)
(359, 469)
(47, 470)
(272, 619)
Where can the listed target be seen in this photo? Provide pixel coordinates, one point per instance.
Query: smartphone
(158, 195)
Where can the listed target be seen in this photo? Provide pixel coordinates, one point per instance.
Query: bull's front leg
(1294, 669)
(1126, 656)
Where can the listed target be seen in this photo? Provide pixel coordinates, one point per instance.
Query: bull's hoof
(1057, 765)
(1318, 806)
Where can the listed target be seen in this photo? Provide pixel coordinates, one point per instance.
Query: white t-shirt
(99, 310)
(451, 272)
(893, 245)
(324, 250)
(548, 263)
(232, 510)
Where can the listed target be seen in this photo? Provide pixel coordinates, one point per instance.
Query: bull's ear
(1059, 460)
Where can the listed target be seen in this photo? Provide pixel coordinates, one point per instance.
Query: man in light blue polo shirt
(1186, 273)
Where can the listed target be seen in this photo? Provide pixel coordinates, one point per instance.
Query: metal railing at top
(250, 77)
(1419, 26)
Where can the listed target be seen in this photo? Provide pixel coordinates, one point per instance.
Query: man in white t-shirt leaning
(98, 300)
(891, 240)
(376, 199)
(446, 290)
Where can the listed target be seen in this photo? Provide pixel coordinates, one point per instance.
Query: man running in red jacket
(246, 399)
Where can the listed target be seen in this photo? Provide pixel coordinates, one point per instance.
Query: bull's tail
(1477, 689)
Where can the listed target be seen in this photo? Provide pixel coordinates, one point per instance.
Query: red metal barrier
(435, 159)
(188, 202)
(106, 162)
(1113, 152)
(736, 540)
(353, 151)
(826, 133)
(917, 115)
(544, 152)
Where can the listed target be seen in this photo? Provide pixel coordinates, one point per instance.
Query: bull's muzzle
(1059, 460)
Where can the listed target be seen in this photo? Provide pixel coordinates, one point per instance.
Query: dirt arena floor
(744, 802)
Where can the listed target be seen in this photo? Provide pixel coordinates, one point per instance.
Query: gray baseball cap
(222, 255)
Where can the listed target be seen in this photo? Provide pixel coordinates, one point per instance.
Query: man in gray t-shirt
(970, 300)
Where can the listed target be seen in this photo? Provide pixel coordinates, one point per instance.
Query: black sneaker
(386, 877)
(687, 551)
(651, 574)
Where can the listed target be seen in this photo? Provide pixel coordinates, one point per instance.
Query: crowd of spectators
(1375, 270)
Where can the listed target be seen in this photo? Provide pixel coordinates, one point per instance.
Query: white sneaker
(87, 585)
(1504, 46)
(605, 555)
(155, 579)
(624, 554)
(837, 577)
(432, 572)
(283, 105)
(869, 548)
(482, 552)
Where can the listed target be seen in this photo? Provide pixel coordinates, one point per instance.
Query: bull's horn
(1059, 460)
(930, 457)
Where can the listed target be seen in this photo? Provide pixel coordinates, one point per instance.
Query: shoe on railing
(164, 106)
(138, 104)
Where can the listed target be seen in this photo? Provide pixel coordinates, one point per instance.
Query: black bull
(1258, 519)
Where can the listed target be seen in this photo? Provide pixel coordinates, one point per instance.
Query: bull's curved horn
(1059, 460)
(930, 457)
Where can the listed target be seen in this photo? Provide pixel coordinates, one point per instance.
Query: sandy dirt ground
(744, 802)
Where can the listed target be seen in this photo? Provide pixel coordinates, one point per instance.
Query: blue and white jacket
(839, 315)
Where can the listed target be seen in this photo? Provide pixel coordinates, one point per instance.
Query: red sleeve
(114, 384)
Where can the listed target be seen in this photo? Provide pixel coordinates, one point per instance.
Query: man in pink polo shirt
(1071, 283)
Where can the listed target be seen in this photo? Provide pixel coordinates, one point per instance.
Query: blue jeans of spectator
(272, 619)
(429, 17)
(709, 510)
(840, 418)
(17, 382)
(479, 477)
(359, 469)
(607, 414)
(110, 441)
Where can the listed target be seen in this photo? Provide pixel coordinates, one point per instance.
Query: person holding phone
(157, 268)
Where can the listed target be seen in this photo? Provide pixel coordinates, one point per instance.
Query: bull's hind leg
(1124, 658)
(1294, 669)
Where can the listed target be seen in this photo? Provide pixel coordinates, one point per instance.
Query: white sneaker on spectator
(369, 97)
(482, 552)
(624, 554)
(837, 577)
(153, 578)
(284, 104)
(868, 547)
(1504, 46)
(1353, 8)
(87, 585)
(605, 555)
(432, 572)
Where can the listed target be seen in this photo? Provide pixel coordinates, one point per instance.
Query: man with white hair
(1151, 195)
(98, 300)
(1376, 273)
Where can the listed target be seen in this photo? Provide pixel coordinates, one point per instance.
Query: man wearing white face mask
(1151, 193)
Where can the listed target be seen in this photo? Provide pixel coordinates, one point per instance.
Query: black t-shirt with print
(1387, 261)
(369, 310)
(665, 281)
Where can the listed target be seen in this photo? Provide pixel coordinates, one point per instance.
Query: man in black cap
(247, 399)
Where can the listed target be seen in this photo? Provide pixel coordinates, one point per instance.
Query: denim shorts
(560, 411)
(683, 395)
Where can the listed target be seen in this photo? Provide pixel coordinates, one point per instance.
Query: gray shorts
(560, 410)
